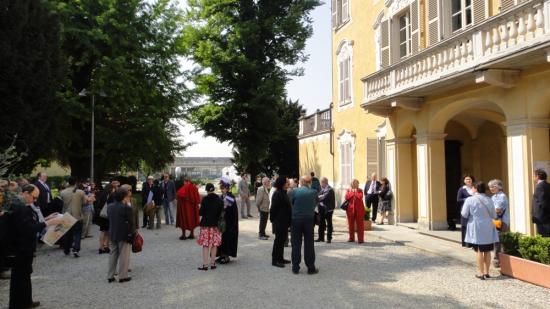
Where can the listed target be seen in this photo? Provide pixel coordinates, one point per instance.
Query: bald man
(304, 200)
(372, 191)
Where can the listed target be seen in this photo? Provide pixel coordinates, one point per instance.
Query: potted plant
(526, 258)
(368, 223)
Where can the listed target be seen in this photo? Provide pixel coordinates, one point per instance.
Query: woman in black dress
(280, 215)
(230, 236)
(463, 193)
(384, 203)
(106, 197)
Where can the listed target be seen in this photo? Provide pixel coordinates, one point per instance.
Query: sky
(313, 89)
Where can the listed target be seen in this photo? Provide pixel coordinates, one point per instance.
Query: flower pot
(525, 270)
(368, 225)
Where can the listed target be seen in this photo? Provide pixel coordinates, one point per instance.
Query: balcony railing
(317, 123)
(525, 26)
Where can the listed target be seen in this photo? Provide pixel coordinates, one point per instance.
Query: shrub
(367, 214)
(510, 243)
(535, 249)
(531, 248)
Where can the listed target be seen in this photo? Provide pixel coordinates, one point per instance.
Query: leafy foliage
(242, 49)
(31, 72)
(510, 243)
(533, 248)
(128, 50)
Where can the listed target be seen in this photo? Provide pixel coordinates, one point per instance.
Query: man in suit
(263, 203)
(147, 196)
(304, 200)
(327, 203)
(45, 196)
(121, 230)
(25, 225)
(244, 194)
(169, 199)
(371, 191)
(74, 201)
(541, 204)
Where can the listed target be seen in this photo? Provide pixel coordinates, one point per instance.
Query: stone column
(432, 210)
(528, 148)
(400, 165)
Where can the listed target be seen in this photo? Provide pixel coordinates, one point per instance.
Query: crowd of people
(484, 217)
(292, 206)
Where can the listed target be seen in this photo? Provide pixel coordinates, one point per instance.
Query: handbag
(499, 224)
(149, 208)
(137, 243)
(103, 213)
(344, 205)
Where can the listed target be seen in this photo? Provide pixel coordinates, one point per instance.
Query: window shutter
(506, 5)
(385, 46)
(345, 10)
(334, 20)
(478, 11)
(372, 155)
(433, 22)
(415, 36)
(347, 79)
(341, 81)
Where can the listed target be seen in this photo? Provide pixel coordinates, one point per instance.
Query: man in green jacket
(304, 200)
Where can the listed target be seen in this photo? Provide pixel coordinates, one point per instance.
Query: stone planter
(368, 225)
(525, 270)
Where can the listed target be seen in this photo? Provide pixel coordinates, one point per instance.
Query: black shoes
(285, 261)
(329, 241)
(182, 237)
(76, 254)
(278, 264)
(110, 280)
(313, 271)
(295, 271)
(204, 267)
(125, 279)
(250, 216)
(34, 304)
(319, 240)
(482, 277)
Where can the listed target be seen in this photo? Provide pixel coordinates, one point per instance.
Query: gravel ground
(165, 275)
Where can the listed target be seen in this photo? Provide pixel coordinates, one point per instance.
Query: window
(344, 80)
(404, 35)
(461, 14)
(346, 166)
(340, 12)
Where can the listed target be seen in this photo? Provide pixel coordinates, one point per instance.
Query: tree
(283, 156)
(128, 50)
(31, 73)
(242, 49)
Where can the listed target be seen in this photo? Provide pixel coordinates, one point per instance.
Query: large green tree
(127, 54)
(243, 50)
(31, 72)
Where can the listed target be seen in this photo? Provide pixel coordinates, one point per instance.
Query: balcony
(515, 40)
(315, 124)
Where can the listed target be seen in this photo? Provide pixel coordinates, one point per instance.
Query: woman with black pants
(280, 215)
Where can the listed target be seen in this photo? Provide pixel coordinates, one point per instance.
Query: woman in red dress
(355, 212)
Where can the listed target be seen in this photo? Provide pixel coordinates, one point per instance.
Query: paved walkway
(378, 273)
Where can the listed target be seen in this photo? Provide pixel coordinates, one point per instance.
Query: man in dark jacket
(304, 200)
(541, 204)
(121, 231)
(146, 198)
(25, 226)
(327, 203)
(371, 192)
(45, 196)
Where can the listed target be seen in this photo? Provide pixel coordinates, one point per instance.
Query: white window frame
(346, 139)
(344, 57)
(463, 12)
(343, 12)
(407, 29)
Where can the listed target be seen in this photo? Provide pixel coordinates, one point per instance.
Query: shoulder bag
(137, 243)
(344, 205)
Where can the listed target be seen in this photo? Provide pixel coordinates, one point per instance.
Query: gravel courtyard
(165, 275)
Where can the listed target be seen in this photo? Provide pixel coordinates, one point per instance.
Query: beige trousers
(120, 253)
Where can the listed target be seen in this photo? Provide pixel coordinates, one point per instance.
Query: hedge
(533, 248)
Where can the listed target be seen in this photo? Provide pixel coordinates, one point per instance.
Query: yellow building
(425, 91)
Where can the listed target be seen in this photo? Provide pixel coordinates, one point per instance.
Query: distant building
(199, 167)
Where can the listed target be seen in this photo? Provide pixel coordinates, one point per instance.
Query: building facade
(425, 91)
(199, 167)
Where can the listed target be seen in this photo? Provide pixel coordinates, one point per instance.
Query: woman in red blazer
(355, 212)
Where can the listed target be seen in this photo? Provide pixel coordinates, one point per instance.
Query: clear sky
(313, 89)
